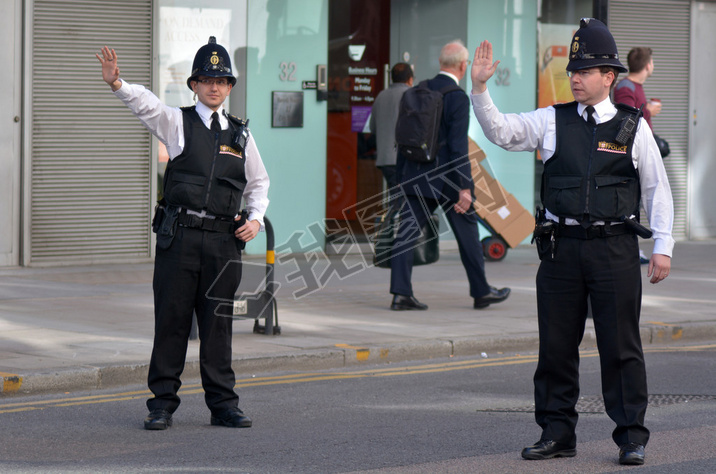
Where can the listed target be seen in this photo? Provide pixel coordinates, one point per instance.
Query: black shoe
(631, 454)
(548, 449)
(402, 302)
(158, 419)
(233, 418)
(494, 296)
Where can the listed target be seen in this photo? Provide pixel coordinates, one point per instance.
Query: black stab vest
(209, 174)
(590, 176)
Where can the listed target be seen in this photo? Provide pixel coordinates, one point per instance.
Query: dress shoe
(548, 449)
(631, 454)
(158, 419)
(402, 302)
(233, 418)
(494, 296)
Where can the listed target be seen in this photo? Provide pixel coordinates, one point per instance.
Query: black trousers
(200, 270)
(412, 217)
(606, 270)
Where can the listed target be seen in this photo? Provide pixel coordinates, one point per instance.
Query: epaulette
(187, 108)
(563, 105)
(237, 121)
(628, 109)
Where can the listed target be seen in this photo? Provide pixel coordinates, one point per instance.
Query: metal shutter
(90, 157)
(665, 27)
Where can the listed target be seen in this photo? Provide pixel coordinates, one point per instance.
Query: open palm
(482, 66)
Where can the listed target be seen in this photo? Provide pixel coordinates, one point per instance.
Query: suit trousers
(606, 271)
(413, 216)
(199, 270)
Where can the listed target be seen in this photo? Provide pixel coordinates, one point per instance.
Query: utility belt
(547, 232)
(609, 229)
(167, 218)
(215, 224)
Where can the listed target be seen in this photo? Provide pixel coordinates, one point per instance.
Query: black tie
(590, 118)
(216, 126)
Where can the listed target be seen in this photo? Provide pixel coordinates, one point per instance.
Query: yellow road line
(308, 377)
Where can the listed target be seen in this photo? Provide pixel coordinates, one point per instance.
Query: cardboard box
(498, 208)
(489, 193)
(512, 222)
(519, 229)
(504, 215)
(474, 152)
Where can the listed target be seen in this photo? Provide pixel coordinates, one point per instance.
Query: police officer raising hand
(586, 238)
(214, 166)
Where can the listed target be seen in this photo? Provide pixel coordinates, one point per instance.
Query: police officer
(594, 177)
(214, 163)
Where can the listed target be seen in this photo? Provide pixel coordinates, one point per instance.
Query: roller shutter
(90, 158)
(663, 26)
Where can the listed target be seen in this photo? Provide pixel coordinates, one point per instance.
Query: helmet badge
(214, 58)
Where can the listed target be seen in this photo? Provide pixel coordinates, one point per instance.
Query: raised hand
(110, 71)
(482, 67)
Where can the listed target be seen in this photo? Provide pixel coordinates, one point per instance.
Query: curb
(337, 357)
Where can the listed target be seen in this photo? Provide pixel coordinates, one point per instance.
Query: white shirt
(167, 124)
(536, 130)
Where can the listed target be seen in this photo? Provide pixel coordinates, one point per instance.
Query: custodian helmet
(211, 60)
(592, 46)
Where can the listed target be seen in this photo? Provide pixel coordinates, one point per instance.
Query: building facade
(80, 176)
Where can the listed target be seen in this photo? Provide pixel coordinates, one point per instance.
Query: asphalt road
(449, 415)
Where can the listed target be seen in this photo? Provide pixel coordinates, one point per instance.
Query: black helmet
(211, 60)
(592, 46)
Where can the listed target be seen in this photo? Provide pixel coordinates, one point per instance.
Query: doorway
(358, 54)
(365, 39)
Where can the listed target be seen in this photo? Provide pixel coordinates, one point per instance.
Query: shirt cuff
(123, 91)
(663, 246)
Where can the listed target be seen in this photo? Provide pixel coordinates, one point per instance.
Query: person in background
(586, 242)
(630, 91)
(452, 189)
(383, 118)
(214, 162)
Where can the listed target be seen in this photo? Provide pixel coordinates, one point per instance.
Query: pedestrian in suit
(594, 178)
(213, 163)
(446, 182)
(383, 118)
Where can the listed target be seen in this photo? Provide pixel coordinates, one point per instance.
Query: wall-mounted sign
(307, 85)
(287, 109)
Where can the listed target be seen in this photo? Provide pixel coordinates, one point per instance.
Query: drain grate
(595, 404)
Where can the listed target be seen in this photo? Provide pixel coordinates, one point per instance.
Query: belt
(211, 224)
(592, 232)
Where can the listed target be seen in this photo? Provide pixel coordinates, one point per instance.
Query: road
(450, 415)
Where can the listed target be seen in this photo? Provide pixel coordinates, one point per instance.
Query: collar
(450, 75)
(205, 112)
(603, 111)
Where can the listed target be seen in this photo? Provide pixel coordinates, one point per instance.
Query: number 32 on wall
(288, 71)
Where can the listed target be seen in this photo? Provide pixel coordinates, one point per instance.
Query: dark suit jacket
(451, 173)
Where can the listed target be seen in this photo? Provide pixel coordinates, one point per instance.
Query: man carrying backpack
(444, 181)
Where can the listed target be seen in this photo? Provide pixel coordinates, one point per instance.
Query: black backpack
(419, 115)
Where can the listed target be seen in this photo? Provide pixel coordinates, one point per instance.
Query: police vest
(209, 174)
(590, 177)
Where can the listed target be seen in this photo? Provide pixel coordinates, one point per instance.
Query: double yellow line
(374, 372)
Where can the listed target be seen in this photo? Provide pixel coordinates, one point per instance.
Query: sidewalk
(79, 328)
